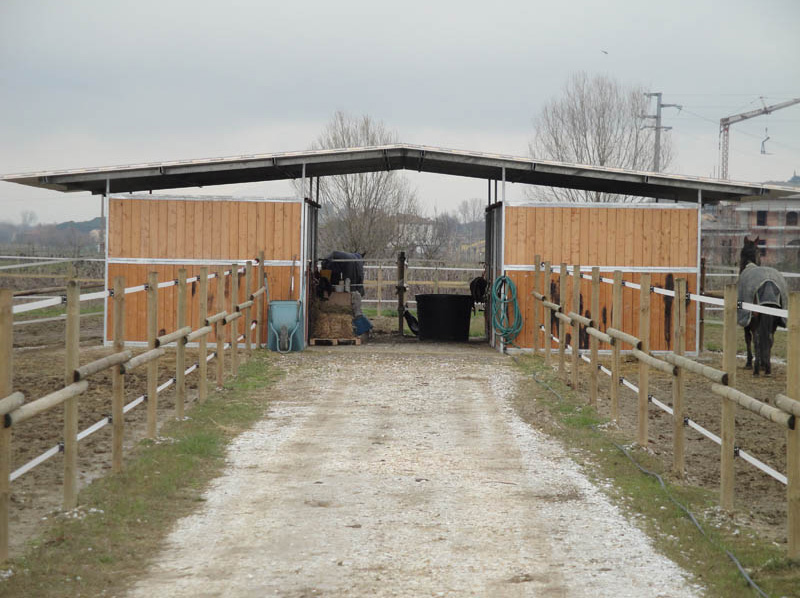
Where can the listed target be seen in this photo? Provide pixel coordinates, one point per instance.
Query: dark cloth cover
(354, 269)
(751, 280)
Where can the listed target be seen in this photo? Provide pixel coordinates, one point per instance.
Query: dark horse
(477, 291)
(762, 286)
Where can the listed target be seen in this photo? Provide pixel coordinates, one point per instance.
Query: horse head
(750, 253)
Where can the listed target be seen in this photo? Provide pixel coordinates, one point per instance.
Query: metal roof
(270, 167)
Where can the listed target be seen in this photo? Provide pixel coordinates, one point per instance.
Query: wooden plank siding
(661, 307)
(617, 236)
(203, 229)
(160, 229)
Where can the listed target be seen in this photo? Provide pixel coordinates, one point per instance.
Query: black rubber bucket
(444, 317)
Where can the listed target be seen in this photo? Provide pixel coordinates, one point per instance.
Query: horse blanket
(751, 281)
(353, 269)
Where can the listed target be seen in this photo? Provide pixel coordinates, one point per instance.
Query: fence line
(25, 307)
(786, 408)
(76, 379)
(382, 282)
(52, 259)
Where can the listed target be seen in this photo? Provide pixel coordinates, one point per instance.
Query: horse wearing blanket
(765, 287)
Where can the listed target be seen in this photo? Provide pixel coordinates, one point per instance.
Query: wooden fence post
(436, 279)
(234, 326)
(793, 436)
(401, 290)
(380, 287)
(6, 382)
(593, 341)
(562, 327)
(701, 324)
(678, 409)
(180, 348)
(152, 367)
(576, 327)
(548, 316)
(248, 286)
(262, 299)
(118, 378)
(71, 362)
(644, 369)
(220, 327)
(616, 322)
(728, 406)
(202, 352)
(536, 307)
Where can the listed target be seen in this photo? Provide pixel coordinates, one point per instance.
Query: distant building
(774, 222)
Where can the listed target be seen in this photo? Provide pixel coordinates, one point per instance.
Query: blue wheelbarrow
(285, 326)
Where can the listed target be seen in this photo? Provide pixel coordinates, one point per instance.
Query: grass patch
(373, 311)
(578, 425)
(712, 340)
(477, 325)
(122, 519)
(59, 310)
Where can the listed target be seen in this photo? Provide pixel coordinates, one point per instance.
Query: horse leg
(756, 348)
(748, 337)
(767, 333)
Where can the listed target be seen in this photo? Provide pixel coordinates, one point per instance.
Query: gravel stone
(397, 470)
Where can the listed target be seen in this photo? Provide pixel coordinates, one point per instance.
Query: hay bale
(332, 326)
(341, 326)
(331, 320)
(327, 307)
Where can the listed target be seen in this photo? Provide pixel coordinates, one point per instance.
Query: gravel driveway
(402, 470)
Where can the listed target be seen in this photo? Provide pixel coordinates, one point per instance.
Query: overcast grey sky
(94, 83)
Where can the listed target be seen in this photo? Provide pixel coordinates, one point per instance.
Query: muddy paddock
(38, 370)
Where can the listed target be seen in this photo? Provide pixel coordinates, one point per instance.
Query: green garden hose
(506, 317)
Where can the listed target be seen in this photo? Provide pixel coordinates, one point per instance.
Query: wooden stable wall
(629, 237)
(197, 229)
(154, 234)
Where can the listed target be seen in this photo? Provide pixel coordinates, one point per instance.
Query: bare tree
(28, 218)
(596, 121)
(471, 217)
(363, 213)
(434, 238)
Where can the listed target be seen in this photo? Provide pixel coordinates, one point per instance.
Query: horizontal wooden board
(218, 229)
(618, 236)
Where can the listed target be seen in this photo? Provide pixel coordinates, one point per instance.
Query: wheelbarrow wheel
(283, 339)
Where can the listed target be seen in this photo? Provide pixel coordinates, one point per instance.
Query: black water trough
(444, 317)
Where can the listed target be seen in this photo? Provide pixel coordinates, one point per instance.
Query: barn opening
(145, 231)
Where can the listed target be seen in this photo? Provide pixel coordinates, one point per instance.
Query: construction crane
(725, 126)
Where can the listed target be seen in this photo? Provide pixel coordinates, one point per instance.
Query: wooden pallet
(334, 341)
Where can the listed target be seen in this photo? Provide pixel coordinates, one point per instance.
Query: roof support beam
(267, 167)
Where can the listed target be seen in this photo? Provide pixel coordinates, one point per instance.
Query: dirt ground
(39, 370)
(38, 367)
(760, 500)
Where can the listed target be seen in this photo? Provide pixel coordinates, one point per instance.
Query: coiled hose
(503, 302)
